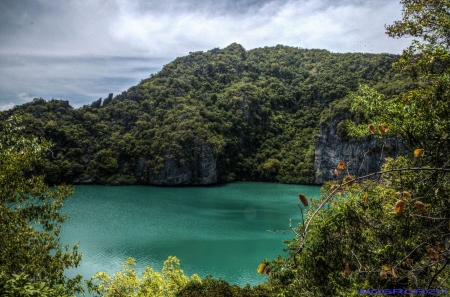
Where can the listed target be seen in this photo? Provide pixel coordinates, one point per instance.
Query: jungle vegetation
(389, 231)
(258, 110)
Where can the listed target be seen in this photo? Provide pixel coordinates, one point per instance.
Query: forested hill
(216, 116)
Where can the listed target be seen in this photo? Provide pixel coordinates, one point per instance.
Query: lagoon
(217, 230)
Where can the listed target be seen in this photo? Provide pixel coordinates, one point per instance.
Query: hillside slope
(216, 116)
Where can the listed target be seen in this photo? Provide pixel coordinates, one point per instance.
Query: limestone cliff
(200, 170)
(361, 156)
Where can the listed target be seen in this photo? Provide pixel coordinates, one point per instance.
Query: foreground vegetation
(171, 282)
(389, 231)
(392, 230)
(32, 262)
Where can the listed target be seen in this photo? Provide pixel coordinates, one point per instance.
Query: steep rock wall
(200, 171)
(361, 156)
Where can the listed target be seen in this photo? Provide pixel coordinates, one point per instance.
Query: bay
(216, 230)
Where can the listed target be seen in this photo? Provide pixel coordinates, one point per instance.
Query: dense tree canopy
(258, 110)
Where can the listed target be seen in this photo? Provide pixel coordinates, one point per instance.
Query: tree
(388, 229)
(152, 283)
(32, 262)
(210, 287)
(170, 282)
(427, 20)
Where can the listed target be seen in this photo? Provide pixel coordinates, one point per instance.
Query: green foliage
(427, 20)
(210, 287)
(119, 180)
(367, 234)
(390, 231)
(420, 117)
(20, 285)
(31, 260)
(126, 283)
(171, 281)
(249, 107)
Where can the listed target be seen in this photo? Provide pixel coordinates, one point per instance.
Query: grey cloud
(78, 79)
(82, 50)
(209, 7)
(311, 24)
(6, 106)
(162, 28)
(58, 28)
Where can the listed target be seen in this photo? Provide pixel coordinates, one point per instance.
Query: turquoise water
(218, 230)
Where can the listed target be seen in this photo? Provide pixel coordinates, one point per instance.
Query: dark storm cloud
(86, 49)
(206, 6)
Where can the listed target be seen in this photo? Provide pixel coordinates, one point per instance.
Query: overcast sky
(81, 50)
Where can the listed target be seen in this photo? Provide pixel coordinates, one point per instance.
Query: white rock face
(361, 156)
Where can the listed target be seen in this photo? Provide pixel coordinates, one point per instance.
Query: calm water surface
(218, 230)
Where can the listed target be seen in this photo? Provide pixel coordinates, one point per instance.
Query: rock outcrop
(200, 171)
(108, 100)
(97, 104)
(85, 180)
(361, 156)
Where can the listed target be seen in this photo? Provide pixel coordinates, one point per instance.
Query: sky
(81, 50)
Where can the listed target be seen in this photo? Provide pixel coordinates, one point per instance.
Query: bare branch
(360, 266)
(52, 153)
(427, 217)
(438, 272)
(410, 253)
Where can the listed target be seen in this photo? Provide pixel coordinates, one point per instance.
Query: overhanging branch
(308, 222)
